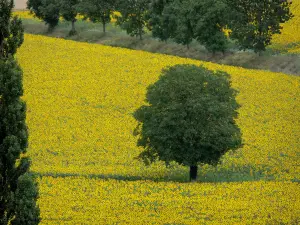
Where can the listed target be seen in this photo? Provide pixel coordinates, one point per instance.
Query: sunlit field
(80, 99)
(289, 39)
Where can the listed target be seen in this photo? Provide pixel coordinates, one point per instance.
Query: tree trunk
(188, 46)
(193, 173)
(73, 26)
(141, 33)
(104, 26)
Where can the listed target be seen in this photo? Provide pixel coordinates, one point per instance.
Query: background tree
(18, 190)
(254, 22)
(133, 17)
(68, 9)
(183, 34)
(161, 20)
(97, 10)
(208, 21)
(190, 118)
(46, 10)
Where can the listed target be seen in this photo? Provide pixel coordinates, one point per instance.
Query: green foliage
(11, 35)
(13, 142)
(161, 19)
(208, 21)
(46, 10)
(190, 117)
(97, 10)
(254, 22)
(133, 16)
(18, 192)
(183, 34)
(68, 10)
(185, 20)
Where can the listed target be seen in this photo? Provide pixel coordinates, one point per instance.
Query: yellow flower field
(92, 201)
(80, 98)
(289, 39)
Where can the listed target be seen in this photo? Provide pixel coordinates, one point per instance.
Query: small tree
(18, 190)
(68, 9)
(133, 16)
(254, 22)
(46, 10)
(190, 118)
(97, 11)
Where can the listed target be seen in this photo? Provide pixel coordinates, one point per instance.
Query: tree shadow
(180, 175)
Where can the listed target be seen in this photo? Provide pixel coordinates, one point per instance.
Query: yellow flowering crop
(80, 98)
(289, 39)
(79, 200)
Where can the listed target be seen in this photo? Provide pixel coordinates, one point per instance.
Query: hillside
(80, 98)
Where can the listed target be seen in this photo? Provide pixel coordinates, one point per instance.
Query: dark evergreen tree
(254, 22)
(18, 190)
(97, 11)
(189, 118)
(46, 10)
(133, 17)
(68, 10)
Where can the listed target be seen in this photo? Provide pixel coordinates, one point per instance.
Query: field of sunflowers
(80, 99)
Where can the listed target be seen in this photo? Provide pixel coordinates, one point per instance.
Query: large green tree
(254, 22)
(18, 190)
(69, 11)
(46, 10)
(133, 17)
(97, 10)
(189, 118)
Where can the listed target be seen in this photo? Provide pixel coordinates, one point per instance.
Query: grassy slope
(80, 98)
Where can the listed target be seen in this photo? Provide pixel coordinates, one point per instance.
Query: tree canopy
(190, 117)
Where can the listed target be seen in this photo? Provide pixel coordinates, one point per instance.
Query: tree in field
(189, 118)
(68, 10)
(97, 10)
(208, 23)
(18, 190)
(46, 10)
(133, 16)
(254, 22)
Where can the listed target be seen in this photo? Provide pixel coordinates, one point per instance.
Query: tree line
(212, 23)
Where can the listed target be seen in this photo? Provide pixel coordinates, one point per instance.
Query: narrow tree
(189, 118)
(97, 11)
(68, 10)
(254, 22)
(18, 190)
(46, 10)
(133, 16)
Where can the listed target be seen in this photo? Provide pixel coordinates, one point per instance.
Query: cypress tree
(18, 190)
